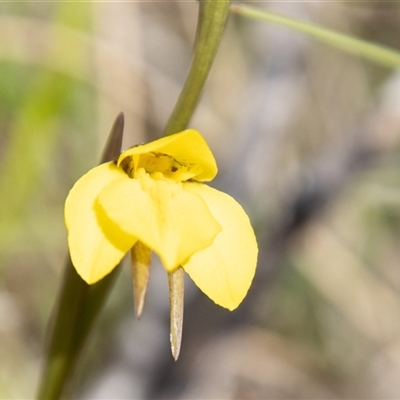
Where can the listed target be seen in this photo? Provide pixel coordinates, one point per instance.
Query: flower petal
(224, 271)
(96, 244)
(167, 219)
(187, 147)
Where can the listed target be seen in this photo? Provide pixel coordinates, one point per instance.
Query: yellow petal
(96, 244)
(224, 271)
(187, 147)
(170, 221)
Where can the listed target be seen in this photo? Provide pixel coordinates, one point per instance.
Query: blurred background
(307, 139)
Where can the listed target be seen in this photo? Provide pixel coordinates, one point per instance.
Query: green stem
(76, 309)
(370, 51)
(211, 24)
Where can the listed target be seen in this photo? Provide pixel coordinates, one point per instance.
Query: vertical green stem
(211, 24)
(76, 309)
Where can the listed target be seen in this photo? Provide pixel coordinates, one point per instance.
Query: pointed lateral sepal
(176, 294)
(140, 265)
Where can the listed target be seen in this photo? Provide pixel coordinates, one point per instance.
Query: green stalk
(210, 27)
(77, 308)
(379, 54)
(79, 303)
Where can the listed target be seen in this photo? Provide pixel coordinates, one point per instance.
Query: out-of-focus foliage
(306, 137)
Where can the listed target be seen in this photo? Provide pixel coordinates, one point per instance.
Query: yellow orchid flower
(151, 199)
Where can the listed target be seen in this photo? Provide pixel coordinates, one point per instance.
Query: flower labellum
(152, 199)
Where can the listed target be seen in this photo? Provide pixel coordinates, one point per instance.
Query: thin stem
(76, 309)
(211, 24)
(370, 51)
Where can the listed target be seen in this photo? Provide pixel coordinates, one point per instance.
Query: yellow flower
(152, 198)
